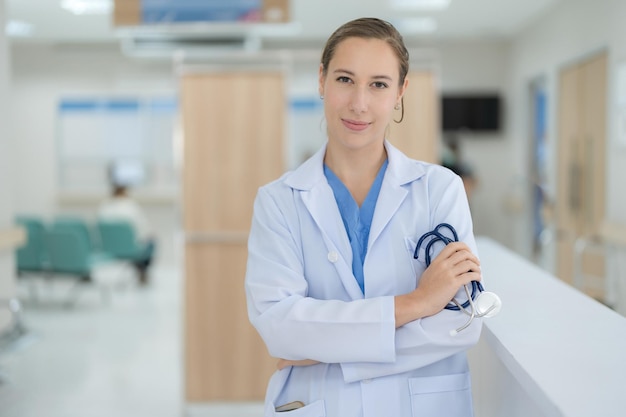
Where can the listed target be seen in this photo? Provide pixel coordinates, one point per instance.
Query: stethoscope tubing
(437, 236)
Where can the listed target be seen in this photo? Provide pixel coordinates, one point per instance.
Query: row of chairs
(71, 246)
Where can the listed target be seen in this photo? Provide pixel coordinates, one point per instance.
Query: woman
(333, 288)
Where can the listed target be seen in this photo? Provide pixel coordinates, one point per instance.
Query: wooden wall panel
(418, 134)
(225, 357)
(126, 12)
(233, 143)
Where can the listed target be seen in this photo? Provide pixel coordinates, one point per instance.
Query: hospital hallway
(122, 358)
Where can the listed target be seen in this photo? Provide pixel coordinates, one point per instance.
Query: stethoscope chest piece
(487, 304)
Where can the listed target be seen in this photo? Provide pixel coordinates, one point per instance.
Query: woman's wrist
(407, 308)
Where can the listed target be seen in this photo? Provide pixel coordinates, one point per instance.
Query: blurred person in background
(121, 206)
(452, 159)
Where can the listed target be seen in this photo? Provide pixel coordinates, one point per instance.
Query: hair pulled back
(369, 28)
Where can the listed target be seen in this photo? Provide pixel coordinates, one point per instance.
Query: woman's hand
(454, 267)
(283, 363)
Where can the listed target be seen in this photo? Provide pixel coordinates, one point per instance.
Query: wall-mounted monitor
(470, 112)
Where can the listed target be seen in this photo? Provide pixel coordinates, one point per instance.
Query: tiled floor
(121, 358)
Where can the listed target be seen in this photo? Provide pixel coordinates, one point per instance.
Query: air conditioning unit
(167, 48)
(199, 39)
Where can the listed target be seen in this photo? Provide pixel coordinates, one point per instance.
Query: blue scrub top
(357, 221)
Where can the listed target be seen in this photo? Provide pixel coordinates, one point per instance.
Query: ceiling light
(18, 29)
(416, 25)
(81, 7)
(420, 4)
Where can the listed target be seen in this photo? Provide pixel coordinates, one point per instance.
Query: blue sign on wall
(165, 11)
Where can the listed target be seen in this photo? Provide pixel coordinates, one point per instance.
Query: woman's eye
(343, 79)
(380, 84)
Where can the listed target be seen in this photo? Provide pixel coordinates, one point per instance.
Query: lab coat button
(333, 256)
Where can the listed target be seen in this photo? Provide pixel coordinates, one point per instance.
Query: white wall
(44, 74)
(7, 275)
(571, 31)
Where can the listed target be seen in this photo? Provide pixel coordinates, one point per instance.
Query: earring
(321, 97)
(397, 106)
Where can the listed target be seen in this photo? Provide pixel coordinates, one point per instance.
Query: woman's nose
(359, 101)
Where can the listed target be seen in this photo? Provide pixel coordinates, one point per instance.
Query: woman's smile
(355, 125)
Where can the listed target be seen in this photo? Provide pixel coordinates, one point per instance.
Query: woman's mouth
(355, 124)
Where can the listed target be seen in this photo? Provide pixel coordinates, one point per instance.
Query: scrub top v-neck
(357, 220)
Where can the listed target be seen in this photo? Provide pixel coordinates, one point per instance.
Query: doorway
(541, 201)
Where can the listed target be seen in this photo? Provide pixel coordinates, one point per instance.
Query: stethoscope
(483, 303)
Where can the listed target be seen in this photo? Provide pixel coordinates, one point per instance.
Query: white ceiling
(316, 19)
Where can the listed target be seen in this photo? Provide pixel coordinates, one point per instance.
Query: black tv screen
(478, 113)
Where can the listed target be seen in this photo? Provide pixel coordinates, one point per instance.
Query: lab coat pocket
(448, 395)
(315, 409)
(419, 264)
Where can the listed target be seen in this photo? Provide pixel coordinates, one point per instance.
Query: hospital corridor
(247, 208)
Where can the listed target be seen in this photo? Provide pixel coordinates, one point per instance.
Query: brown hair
(369, 28)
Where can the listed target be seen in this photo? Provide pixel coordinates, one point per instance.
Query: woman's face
(360, 89)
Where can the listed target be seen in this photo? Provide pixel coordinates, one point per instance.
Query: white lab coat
(306, 304)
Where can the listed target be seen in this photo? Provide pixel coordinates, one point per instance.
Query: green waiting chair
(32, 257)
(84, 233)
(71, 255)
(118, 239)
(79, 226)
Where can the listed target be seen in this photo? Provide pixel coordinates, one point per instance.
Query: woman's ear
(321, 80)
(403, 89)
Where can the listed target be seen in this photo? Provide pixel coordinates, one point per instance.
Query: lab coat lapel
(321, 204)
(400, 171)
(319, 200)
(389, 199)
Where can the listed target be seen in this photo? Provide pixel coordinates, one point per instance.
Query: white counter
(552, 351)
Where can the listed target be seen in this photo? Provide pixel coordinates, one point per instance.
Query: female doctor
(357, 323)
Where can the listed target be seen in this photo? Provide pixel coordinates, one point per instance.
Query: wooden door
(581, 162)
(568, 190)
(418, 134)
(233, 143)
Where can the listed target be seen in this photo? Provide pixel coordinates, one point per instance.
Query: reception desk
(552, 351)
